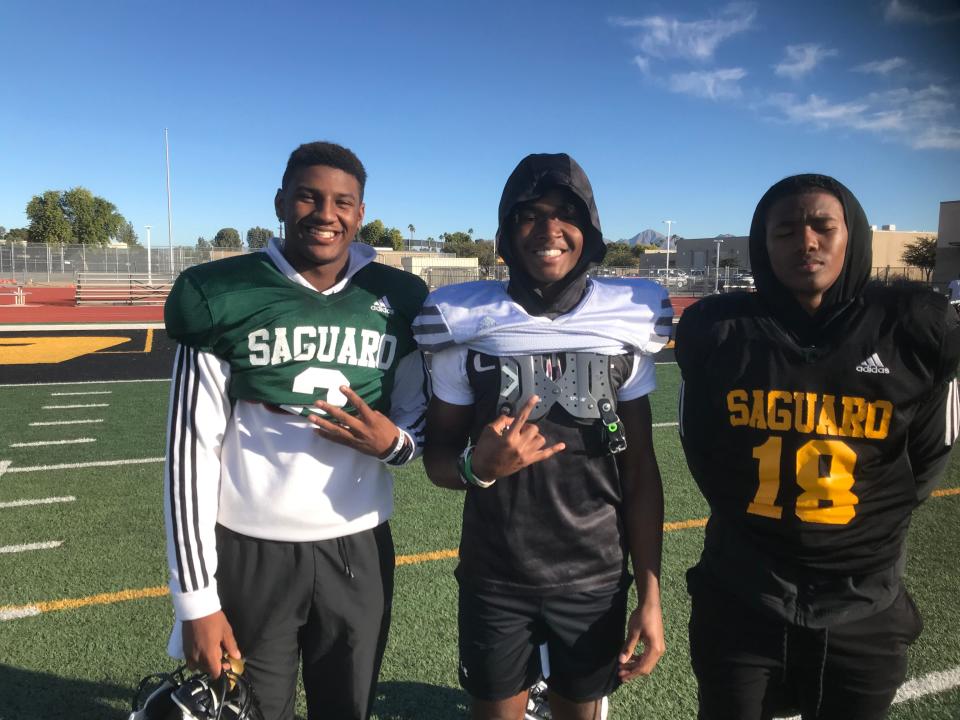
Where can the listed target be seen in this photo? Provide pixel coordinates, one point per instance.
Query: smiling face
(547, 236)
(807, 242)
(322, 210)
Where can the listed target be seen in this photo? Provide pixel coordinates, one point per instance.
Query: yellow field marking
(102, 599)
(426, 557)
(147, 346)
(12, 612)
(684, 524)
(51, 350)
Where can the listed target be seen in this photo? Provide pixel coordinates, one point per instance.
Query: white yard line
(66, 422)
(930, 684)
(44, 443)
(669, 424)
(666, 362)
(73, 407)
(32, 546)
(4, 464)
(85, 392)
(74, 466)
(15, 613)
(83, 382)
(38, 501)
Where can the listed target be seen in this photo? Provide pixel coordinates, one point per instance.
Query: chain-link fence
(37, 263)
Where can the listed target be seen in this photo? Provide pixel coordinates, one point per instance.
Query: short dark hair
(329, 154)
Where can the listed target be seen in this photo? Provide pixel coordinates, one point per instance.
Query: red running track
(58, 305)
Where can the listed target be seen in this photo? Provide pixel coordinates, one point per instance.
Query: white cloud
(713, 84)
(938, 138)
(881, 67)
(898, 11)
(666, 37)
(919, 118)
(643, 63)
(801, 59)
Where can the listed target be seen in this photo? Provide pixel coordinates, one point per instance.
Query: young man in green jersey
(296, 382)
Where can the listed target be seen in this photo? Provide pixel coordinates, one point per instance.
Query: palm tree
(412, 230)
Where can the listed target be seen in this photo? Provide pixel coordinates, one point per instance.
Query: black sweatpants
(327, 602)
(752, 667)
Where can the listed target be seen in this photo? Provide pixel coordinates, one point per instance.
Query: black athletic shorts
(752, 667)
(500, 638)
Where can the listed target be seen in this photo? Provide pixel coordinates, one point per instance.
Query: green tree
(92, 220)
(203, 243)
(17, 235)
(3, 232)
(48, 224)
(227, 238)
(619, 254)
(128, 235)
(455, 238)
(372, 233)
(258, 237)
(921, 253)
(412, 230)
(393, 238)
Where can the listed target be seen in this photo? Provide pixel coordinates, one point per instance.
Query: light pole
(149, 266)
(716, 280)
(668, 224)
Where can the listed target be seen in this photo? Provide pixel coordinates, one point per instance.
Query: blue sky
(677, 110)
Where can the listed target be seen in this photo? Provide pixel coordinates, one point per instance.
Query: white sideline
(4, 464)
(66, 422)
(85, 392)
(44, 443)
(82, 326)
(82, 382)
(38, 501)
(74, 466)
(32, 546)
(930, 684)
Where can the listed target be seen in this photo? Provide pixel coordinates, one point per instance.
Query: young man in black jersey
(540, 413)
(816, 414)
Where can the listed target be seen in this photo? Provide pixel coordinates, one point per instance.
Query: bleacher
(129, 289)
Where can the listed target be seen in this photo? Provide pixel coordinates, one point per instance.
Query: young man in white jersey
(297, 383)
(540, 412)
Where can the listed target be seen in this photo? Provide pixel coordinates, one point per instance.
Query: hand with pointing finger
(509, 444)
(369, 431)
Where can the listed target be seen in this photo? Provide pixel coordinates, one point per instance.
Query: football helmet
(177, 696)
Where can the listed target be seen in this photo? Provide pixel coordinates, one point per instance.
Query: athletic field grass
(83, 611)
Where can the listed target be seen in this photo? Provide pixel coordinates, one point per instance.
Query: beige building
(948, 245)
(435, 269)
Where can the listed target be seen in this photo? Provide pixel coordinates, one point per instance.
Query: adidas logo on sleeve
(873, 366)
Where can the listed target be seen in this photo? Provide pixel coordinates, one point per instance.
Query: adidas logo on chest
(382, 306)
(873, 366)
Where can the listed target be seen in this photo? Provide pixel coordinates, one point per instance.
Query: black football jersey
(813, 458)
(554, 526)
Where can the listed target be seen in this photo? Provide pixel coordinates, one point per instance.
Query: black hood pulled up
(533, 177)
(853, 276)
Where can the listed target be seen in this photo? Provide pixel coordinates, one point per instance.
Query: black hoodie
(532, 178)
(849, 286)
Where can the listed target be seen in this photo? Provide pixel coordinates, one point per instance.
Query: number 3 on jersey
(327, 379)
(824, 469)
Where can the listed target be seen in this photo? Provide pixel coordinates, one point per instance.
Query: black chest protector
(578, 381)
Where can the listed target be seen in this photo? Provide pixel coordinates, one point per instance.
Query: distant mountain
(647, 237)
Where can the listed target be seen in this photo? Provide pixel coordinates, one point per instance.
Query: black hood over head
(532, 178)
(857, 261)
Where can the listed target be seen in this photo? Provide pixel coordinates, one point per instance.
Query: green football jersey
(287, 344)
